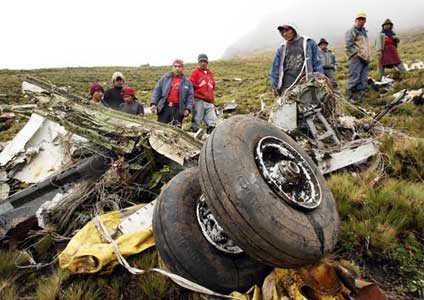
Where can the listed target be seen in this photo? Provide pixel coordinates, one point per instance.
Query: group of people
(300, 56)
(175, 97)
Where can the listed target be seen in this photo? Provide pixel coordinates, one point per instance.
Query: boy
(130, 105)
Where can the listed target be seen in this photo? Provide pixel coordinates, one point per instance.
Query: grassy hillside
(381, 208)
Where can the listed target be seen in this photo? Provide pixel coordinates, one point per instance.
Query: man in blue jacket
(297, 57)
(172, 98)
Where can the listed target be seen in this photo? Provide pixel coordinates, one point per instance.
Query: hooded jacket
(311, 64)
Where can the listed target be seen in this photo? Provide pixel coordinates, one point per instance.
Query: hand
(153, 109)
(9, 123)
(275, 93)
(186, 112)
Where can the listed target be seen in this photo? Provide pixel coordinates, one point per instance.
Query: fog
(71, 33)
(328, 19)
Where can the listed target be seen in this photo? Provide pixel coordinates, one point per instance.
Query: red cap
(285, 27)
(128, 91)
(96, 87)
(178, 62)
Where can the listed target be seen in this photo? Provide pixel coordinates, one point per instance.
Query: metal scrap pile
(77, 160)
(255, 200)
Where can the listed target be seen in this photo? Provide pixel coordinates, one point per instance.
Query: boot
(210, 129)
(349, 95)
(361, 96)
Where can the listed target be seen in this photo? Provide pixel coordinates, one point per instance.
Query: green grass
(382, 214)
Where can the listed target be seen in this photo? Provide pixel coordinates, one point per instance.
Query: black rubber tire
(184, 249)
(251, 213)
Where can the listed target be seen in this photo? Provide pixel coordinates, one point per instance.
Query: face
(288, 34)
(177, 69)
(360, 22)
(119, 82)
(98, 96)
(203, 65)
(323, 46)
(387, 26)
(128, 98)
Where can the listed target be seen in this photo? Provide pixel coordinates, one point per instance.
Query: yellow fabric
(88, 253)
(254, 293)
(361, 15)
(286, 284)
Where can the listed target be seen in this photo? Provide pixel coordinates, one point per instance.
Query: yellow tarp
(88, 253)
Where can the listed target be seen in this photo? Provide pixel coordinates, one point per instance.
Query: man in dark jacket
(359, 56)
(172, 98)
(328, 61)
(113, 97)
(298, 56)
(203, 83)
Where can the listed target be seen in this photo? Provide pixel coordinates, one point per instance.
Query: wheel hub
(288, 173)
(212, 231)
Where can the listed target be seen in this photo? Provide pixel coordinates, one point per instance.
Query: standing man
(386, 44)
(298, 56)
(328, 61)
(113, 97)
(172, 98)
(203, 83)
(359, 56)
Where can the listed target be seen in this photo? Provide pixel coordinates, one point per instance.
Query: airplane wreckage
(250, 197)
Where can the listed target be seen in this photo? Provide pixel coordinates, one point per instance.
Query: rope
(183, 282)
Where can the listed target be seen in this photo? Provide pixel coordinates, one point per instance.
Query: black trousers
(171, 115)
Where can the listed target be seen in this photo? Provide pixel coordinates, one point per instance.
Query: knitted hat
(322, 41)
(128, 91)
(202, 57)
(117, 75)
(96, 87)
(387, 22)
(178, 62)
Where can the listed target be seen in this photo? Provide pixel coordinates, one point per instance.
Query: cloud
(329, 19)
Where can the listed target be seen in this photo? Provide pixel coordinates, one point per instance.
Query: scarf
(388, 32)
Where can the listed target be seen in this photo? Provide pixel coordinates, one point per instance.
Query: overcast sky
(61, 33)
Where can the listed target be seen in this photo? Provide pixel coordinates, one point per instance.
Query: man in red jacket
(204, 85)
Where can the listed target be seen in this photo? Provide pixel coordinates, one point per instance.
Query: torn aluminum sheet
(285, 116)
(330, 150)
(43, 211)
(21, 218)
(230, 106)
(29, 87)
(3, 176)
(18, 144)
(170, 151)
(352, 153)
(47, 153)
(416, 65)
(22, 206)
(114, 130)
(4, 191)
(385, 81)
(39, 146)
(139, 220)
